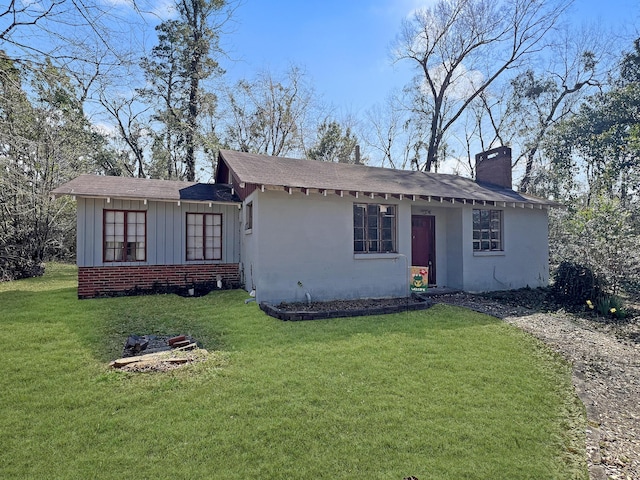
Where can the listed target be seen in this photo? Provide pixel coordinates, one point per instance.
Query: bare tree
(130, 127)
(394, 134)
(522, 111)
(461, 47)
(542, 101)
(17, 15)
(270, 115)
(61, 30)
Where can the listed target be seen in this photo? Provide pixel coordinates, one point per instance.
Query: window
(204, 236)
(248, 216)
(374, 228)
(487, 230)
(125, 235)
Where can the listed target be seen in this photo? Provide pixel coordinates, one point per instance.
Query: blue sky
(344, 44)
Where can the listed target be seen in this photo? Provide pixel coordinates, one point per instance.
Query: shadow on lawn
(220, 320)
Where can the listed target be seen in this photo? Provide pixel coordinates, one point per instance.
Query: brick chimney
(494, 167)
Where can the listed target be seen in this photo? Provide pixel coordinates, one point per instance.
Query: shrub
(16, 263)
(602, 236)
(575, 284)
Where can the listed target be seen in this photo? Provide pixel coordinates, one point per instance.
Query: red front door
(423, 244)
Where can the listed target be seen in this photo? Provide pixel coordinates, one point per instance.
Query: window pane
(372, 216)
(358, 216)
(109, 254)
(249, 216)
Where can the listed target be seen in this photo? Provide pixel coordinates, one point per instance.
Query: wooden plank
(138, 358)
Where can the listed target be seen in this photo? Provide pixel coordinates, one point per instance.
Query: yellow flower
(590, 304)
(613, 310)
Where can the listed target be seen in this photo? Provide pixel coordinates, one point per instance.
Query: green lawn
(440, 394)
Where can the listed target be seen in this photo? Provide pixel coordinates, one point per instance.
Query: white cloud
(119, 3)
(104, 129)
(463, 82)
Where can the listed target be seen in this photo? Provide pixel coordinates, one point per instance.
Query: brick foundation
(114, 280)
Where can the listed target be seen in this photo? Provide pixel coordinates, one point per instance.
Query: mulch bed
(344, 308)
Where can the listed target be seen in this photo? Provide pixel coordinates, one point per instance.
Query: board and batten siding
(166, 231)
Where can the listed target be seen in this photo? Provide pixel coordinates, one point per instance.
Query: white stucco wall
(301, 244)
(524, 261)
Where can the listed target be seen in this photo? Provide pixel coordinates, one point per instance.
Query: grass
(440, 394)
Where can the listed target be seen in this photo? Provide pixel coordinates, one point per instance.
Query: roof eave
(108, 198)
(364, 194)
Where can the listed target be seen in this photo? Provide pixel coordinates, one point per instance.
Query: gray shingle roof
(249, 168)
(142, 188)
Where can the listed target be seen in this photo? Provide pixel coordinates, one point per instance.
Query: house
(298, 229)
(329, 230)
